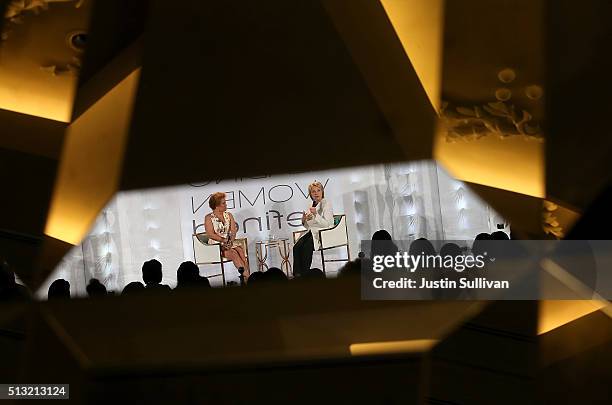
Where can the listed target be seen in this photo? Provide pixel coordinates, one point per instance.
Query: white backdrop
(408, 200)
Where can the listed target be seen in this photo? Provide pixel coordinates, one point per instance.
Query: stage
(409, 200)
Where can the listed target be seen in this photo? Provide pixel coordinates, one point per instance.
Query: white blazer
(323, 219)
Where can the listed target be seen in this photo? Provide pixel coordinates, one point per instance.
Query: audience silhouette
(188, 275)
(255, 278)
(352, 268)
(382, 244)
(95, 288)
(450, 249)
(132, 288)
(313, 274)
(60, 288)
(453, 250)
(500, 235)
(152, 275)
(275, 274)
(478, 246)
(381, 235)
(422, 247)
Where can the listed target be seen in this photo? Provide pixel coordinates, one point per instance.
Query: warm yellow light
(38, 106)
(397, 346)
(554, 314)
(419, 26)
(91, 162)
(513, 163)
(36, 94)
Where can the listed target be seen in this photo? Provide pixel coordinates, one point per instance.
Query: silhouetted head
(383, 247)
(478, 246)
(382, 244)
(95, 288)
(483, 236)
(60, 288)
(313, 274)
(450, 249)
(152, 272)
(421, 246)
(351, 269)
(381, 235)
(255, 278)
(133, 287)
(275, 274)
(500, 235)
(188, 274)
(453, 250)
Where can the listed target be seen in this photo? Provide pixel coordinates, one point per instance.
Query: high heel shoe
(241, 277)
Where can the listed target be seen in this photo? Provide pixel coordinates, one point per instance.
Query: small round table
(262, 249)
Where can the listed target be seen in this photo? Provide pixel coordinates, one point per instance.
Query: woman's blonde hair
(215, 200)
(316, 184)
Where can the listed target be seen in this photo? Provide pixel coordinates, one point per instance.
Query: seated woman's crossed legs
(237, 256)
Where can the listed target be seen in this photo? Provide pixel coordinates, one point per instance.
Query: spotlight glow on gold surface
(91, 162)
(398, 346)
(555, 313)
(419, 25)
(513, 163)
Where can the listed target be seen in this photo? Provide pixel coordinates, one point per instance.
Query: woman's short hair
(215, 200)
(316, 184)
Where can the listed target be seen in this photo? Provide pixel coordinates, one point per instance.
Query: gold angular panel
(39, 67)
(419, 24)
(388, 73)
(492, 114)
(512, 164)
(91, 163)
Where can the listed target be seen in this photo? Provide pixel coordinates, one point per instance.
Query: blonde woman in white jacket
(319, 216)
